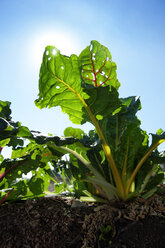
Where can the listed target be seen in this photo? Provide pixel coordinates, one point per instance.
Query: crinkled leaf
(61, 84)
(114, 126)
(103, 102)
(128, 151)
(97, 67)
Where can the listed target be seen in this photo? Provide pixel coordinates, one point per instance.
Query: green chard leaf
(128, 151)
(97, 67)
(115, 125)
(62, 83)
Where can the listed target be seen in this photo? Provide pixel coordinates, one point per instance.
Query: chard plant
(119, 160)
(113, 161)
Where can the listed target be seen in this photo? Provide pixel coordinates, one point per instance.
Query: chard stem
(6, 196)
(108, 154)
(124, 171)
(105, 146)
(117, 131)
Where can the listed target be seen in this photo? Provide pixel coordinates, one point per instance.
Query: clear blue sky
(134, 32)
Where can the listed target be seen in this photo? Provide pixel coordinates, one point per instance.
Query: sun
(65, 42)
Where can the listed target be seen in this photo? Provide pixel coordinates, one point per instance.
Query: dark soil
(55, 222)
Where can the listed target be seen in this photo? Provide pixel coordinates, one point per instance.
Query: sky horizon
(132, 30)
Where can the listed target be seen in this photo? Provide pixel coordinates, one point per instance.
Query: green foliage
(112, 161)
(85, 87)
(35, 157)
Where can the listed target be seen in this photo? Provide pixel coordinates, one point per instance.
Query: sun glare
(64, 42)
